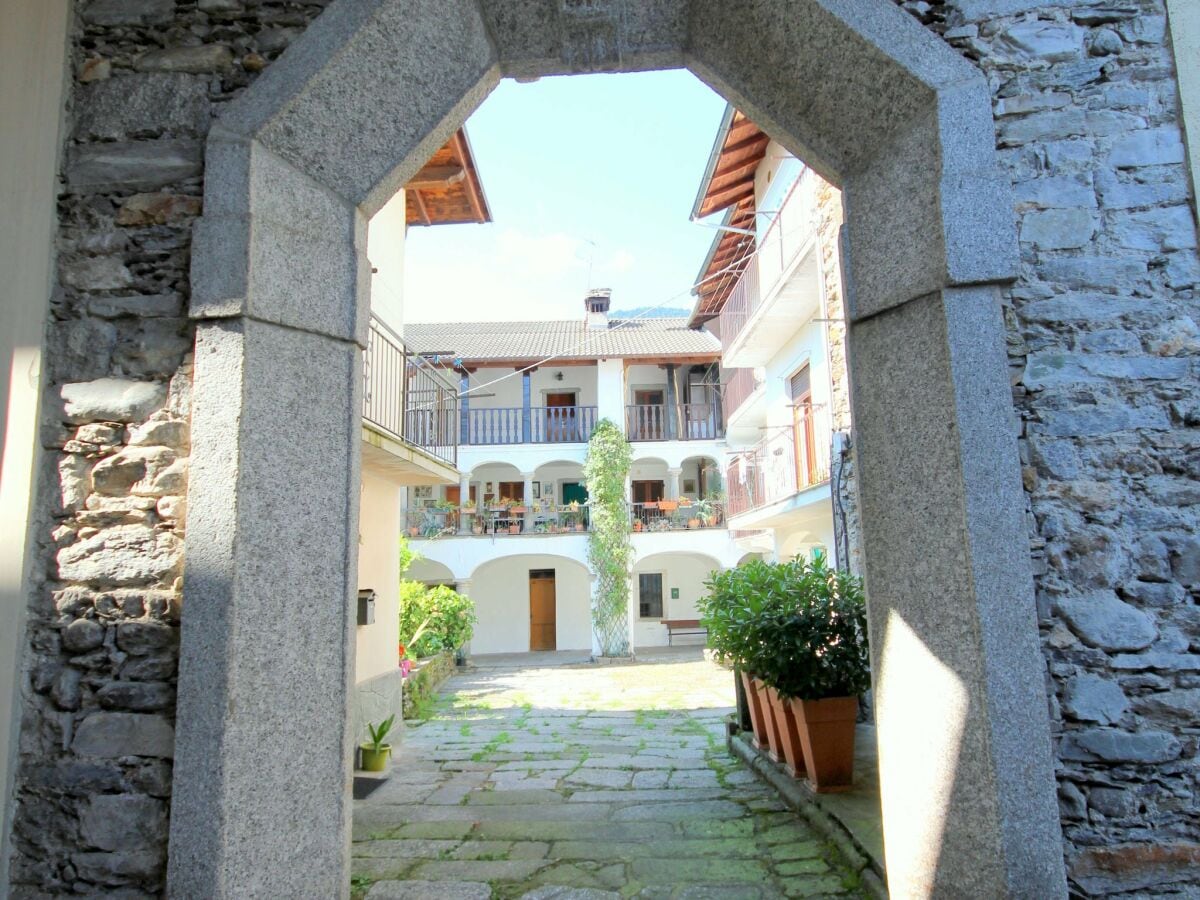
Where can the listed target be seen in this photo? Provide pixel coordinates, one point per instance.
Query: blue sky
(599, 168)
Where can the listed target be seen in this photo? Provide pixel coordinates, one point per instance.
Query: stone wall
(94, 777)
(1103, 343)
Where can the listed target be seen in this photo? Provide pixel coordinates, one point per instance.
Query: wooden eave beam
(422, 210)
(437, 178)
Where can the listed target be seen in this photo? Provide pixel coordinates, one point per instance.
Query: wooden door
(803, 433)
(454, 494)
(647, 491)
(542, 617)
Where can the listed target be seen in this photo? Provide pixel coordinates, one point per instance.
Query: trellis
(606, 470)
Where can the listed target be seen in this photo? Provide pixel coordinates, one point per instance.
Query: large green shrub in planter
(450, 616)
(800, 626)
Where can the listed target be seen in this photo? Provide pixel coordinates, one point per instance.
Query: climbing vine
(606, 470)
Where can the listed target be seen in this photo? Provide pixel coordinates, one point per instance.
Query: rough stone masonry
(1103, 345)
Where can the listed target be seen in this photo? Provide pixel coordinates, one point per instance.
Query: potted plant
(814, 655)
(706, 512)
(375, 752)
(477, 526)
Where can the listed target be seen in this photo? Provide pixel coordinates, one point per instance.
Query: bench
(683, 626)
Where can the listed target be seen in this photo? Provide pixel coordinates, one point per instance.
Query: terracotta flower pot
(693, 523)
(757, 720)
(827, 736)
(789, 733)
(772, 727)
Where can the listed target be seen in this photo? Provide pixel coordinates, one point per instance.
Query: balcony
(673, 515)
(784, 464)
(544, 425)
(505, 520)
(740, 386)
(780, 290)
(693, 422)
(406, 398)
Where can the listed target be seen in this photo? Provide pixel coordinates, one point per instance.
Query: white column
(633, 610)
(610, 391)
(464, 588)
(464, 494)
(673, 483)
(528, 500)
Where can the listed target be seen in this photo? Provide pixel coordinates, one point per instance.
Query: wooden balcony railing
(407, 397)
(542, 425)
(696, 422)
(646, 423)
(788, 460)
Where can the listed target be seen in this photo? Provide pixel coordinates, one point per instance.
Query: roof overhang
(447, 190)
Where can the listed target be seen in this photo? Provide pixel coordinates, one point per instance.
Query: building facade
(1021, 308)
(512, 533)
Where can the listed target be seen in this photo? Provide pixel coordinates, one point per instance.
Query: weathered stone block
(111, 400)
(1092, 698)
(118, 868)
(124, 555)
(95, 273)
(134, 165)
(1058, 229)
(1150, 147)
(114, 734)
(1112, 746)
(136, 696)
(204, 58)
(122, 822)
(1135, 867)
(82, 635)
(138, 638)
(128, 12)
(134, 105)
(1103, 620)
(1037, 39)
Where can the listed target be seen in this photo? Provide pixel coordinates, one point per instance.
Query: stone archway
(296, 166)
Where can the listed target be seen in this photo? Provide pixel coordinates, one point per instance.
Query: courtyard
(536, 776)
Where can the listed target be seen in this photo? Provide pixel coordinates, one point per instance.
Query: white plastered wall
(500, 590)
(385, 248)
(506, 394)
(685, 572)
(379, 570)
(33, 43)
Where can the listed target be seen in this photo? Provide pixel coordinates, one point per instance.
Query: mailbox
(366, 607)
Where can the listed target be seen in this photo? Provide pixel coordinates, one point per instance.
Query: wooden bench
(683, 626)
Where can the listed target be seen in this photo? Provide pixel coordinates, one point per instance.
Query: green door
(574, 492)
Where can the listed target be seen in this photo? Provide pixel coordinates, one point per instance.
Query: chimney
(596, 303)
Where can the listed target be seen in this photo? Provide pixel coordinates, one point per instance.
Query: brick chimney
(596, 304)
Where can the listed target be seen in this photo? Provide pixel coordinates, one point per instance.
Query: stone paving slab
(583, 783)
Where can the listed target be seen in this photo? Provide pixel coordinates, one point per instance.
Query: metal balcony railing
(790, 232)
(674, 515)
(788, 460)
(407, 397)
(739, 386)
(496, 521)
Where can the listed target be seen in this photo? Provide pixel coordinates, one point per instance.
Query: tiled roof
(648, 337)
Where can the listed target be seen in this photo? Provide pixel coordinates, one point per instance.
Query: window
(650, 595)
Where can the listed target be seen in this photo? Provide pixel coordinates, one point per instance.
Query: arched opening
(667, 589)
(528, 602)
(328, 135)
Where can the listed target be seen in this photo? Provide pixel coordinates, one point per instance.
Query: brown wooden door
(803, 433)
(542, 618)
(454, 494)
(647, 491)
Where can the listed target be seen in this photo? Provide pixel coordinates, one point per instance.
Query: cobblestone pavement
(582, 783)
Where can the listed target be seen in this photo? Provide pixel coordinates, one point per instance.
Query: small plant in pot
(375, 753)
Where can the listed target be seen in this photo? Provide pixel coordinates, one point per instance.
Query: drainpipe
(464, 406)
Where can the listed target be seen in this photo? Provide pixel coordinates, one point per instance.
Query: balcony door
(560, 422)
(647, 491)
(803, 433)
(543, 620)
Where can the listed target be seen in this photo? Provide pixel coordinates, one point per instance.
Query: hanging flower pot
(827, 735)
